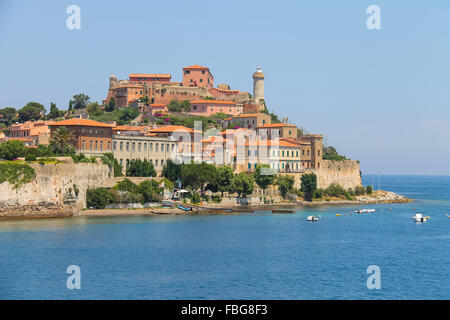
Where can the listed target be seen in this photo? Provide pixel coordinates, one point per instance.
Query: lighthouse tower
(258, 85)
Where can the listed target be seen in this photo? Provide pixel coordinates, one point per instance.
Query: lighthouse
(258, 85)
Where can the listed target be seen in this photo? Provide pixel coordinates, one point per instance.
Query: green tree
(308, 185)
(179, 106)
(264, 176)
(149, 189)
(108, 158)
(330, 153)
(196, 175)
(139, 168)
(12, 149)
(98, 198)
(126, 185)
(111, 105)
(369, 189)
(94, 108)
(8, 115)
(225, 178)
(31, 111)
(62, 140)
(54, 113)
(172, 171)
(243, 184)
(79, 101)
(285, 184)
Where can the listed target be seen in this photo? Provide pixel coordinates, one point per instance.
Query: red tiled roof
(248, 115)
(213, 102)
(80, 122)
(276, 125)
(196, 66)
(150, 75)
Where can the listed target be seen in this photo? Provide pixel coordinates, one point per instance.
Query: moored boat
(312, 218)
(184, 208)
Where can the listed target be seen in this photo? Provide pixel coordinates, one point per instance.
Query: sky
(378, 96)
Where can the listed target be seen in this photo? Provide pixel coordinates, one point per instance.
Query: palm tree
(63, 138)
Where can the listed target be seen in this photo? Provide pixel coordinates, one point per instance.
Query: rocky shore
(46, 210)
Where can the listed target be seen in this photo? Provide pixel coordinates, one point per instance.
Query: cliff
(345, 173)
(58, 189)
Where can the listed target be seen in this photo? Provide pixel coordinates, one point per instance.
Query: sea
(380, 255)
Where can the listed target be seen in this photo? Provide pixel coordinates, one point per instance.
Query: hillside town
(153, 139)
(240, 132)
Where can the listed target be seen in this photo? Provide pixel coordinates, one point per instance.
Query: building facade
(197, 76)
(207, 108)
(90, 137)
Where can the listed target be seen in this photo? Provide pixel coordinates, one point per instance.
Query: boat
(312, 218)
(167, 204)
(418, 217)
(338, 215)
(184, 208)
(282, 211)
(364, 210)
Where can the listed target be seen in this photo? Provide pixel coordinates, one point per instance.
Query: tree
(225, 178)
(172, 171)
(179, 106)
(98, 198)
(264, 176)
(8, 115)
(243, 184)
(79, 101)
(125, 185)
(139, 168)
(94, 108)
(111, 105)
(12, 149)
(330, 153)
(31, 111)
(308, 185)
(285, 184)
(369, 189)
(196, 175)
(149, 189)
(54, 113)
(62, 140)
(108, 158)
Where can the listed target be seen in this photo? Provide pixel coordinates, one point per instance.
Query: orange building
(197, 76)
(90, 137)
(148, 78)
(37, 131)
(209, 107)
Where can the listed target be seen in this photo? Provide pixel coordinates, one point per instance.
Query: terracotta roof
(195, 66)
(158, 105)
(162, 129)
(150, 75)
(248, 115)
(213, 102)
(80, 122)
(127, 128)
(276, 125)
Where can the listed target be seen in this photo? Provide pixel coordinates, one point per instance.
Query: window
(84, 142)
(128, 146)
(156, 147)
(90, 144)
(114, 145)
(101, 145)
(121, 145)
(167, 147)
(145, 146)
(290, 132)
(201, 80)
(82, 130)
(133, 146)
(249, 166)
(173, 146)
(121, 161)
(156, 163)
(162, 163)
(203, 71)
(139, 147)
(282, 153)
(162, 147)
(96, 145)
(296, 154)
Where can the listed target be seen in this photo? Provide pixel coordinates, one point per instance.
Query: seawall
(59, 189)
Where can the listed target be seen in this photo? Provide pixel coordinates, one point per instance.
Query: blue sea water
(248, 256)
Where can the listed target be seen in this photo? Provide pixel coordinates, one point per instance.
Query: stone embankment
(383, 197)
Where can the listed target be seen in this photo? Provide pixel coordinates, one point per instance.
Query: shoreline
(381, 197)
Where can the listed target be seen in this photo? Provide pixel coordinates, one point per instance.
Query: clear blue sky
(381, 97)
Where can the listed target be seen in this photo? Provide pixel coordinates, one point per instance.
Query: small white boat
(418, 217)
(312, 218)
(364, 210)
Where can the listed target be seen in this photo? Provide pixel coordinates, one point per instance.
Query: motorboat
(312, 218)
(184, 208)
(418, 217)
(364, 210)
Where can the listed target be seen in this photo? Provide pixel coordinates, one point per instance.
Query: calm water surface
(249, 256)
